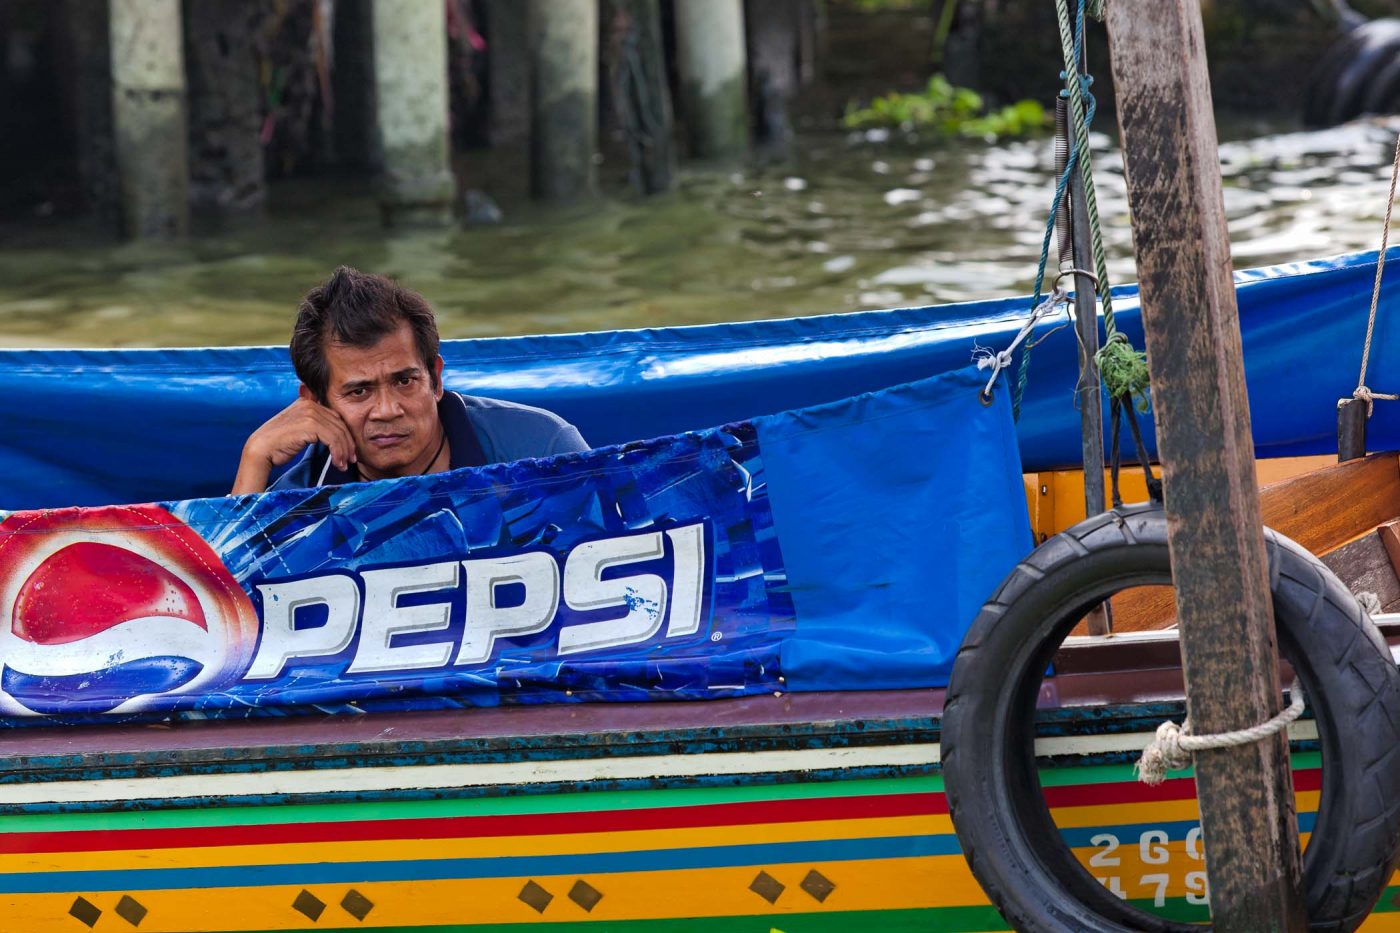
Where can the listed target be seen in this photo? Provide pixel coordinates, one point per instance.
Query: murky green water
(852, 224)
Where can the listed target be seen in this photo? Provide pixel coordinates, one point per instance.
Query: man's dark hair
(357, 309)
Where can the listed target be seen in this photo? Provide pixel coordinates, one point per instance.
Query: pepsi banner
(816, 549)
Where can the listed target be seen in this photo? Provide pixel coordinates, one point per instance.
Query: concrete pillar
(353, 132)
(226, 153)
(641, 94)
(961, 63)
(774, 39)
(510, 105)
(410, 80)
(564, 129)
(710, 55)
(148, 116)
(87, 75)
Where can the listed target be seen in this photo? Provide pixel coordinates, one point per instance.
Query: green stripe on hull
(1389, 902)
(592, 801)
(1175, 908)
(945, 920)
(1123, 774)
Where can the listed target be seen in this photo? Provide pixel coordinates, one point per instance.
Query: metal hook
(1084, 272)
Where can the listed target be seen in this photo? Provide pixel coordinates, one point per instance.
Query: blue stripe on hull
(829, 850)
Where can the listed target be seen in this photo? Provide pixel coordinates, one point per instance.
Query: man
(371, 403)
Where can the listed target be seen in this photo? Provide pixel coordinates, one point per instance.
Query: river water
(853, 223)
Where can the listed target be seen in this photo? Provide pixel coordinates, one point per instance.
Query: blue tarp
(844, 546)
(102, 426)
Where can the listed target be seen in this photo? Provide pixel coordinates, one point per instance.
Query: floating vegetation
(948, 110)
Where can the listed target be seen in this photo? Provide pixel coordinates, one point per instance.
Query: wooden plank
(1141, 609)
(1390, 537)
(1365, 566)
(1325, 509)
(1229, 648)
(1322, 511)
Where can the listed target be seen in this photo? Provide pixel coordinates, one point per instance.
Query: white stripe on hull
(433, 777)
(567, 771)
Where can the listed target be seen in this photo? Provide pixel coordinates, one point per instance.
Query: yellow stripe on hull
(1128, 814)
(876, 884)
(482, 847)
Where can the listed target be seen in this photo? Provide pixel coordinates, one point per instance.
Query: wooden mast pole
(1217, 550)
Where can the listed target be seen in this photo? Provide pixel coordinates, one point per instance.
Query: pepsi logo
(107, 610)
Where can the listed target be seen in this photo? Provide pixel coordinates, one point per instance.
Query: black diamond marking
(131, 910)
(585, 895)
(85, 910)
(767, 887)
(356, 904)
(309, 904)
(536, 896)
(818, 885)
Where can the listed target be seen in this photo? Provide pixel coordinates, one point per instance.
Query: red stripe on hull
(466, 827)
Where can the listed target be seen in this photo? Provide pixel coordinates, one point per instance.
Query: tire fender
(999, 813)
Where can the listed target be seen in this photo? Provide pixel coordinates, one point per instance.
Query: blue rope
(1090, 104)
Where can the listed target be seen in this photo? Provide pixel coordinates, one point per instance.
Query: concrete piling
(564, 130)
(410, 80)
(226, 154)
(149, 116)
(711, 56)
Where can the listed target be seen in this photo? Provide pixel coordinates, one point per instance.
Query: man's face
(389, 402)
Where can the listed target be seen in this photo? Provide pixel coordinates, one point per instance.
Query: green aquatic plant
(949, 110)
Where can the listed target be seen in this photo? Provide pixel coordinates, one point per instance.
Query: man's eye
(407, 380)
(359, 393)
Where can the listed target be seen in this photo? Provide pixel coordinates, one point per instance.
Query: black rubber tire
(1339, 85)
(994, 795)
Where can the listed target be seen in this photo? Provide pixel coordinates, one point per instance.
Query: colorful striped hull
(799, 857)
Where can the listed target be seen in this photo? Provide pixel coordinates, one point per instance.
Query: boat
(690, 680)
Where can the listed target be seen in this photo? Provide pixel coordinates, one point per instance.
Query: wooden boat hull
(812, 813)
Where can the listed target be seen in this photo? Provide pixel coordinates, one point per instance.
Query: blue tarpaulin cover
(842, 546)
(86, 427)
(838, 532)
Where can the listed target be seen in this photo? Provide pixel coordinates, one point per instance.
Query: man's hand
(285, 435)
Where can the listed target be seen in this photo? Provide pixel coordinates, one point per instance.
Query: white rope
(1366, 395)
(1174, 745)
(1362, 392)
(997, 361)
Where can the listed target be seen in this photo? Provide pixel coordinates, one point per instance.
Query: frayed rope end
(1164, 753)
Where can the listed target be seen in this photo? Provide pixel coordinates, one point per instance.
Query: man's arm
(288, 433)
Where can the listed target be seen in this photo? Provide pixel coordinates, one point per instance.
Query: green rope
(1122, 368)
(1095, 9)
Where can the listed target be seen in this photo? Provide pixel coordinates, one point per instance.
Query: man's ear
(437, 376)
(304, 392)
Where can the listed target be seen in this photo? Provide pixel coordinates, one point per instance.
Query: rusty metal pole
(1217, 550)
(1089, 390)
